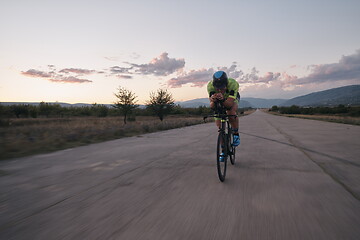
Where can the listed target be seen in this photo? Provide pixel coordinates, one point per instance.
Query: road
(293, 179)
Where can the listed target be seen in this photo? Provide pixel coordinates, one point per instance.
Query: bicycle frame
(220, 112)
(223, 139)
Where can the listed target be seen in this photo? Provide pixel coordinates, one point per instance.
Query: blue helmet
(220, 79)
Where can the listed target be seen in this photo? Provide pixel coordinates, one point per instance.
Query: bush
(339, 110)
(274, 109)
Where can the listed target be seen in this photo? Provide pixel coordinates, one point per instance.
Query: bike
(224, 145)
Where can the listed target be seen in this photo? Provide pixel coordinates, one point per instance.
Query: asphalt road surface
(293, 179)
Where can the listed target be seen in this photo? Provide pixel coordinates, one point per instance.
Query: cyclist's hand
(214, 97)
(219, 97)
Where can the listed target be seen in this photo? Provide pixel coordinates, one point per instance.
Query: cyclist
(226, 90)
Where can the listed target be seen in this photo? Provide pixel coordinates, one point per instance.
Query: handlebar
(220, 112)
(222, 116)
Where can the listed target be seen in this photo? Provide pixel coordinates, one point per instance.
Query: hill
(263, 103)
(348, 95)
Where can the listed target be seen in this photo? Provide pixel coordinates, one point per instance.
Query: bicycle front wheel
(231, 148)
(221, 156)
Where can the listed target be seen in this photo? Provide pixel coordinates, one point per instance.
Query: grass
(327, 118)
(25, 137)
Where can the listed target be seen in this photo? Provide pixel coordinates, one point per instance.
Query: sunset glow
(82, 52)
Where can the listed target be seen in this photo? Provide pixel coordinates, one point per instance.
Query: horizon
(60, 102)
(270, 49)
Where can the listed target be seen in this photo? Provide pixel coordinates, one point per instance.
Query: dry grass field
(27, 136)
(328, 118)
(30, 136)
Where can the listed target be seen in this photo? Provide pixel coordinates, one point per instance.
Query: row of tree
(160, 104)
(340, 109)
(52, 110)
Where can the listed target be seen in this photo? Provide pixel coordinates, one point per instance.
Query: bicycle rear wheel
(221, 148)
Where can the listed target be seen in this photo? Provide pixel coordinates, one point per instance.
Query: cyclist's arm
(211, 91)
(212, 96)
(233, 88)
(229, 102)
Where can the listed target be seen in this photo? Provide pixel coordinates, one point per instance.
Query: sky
(82, 51)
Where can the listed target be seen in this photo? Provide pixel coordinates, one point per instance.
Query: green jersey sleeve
(233, 88)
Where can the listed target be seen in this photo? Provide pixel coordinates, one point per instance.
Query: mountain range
(348, 95)
(244, 102)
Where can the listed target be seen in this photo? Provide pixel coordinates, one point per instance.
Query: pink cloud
(69, 80)
(197, 78)
(53, 76)
(288, 80)
(76, 70)
(36, 73)
(269, 77)
(348, 69)
(124, 76)
(160, 66)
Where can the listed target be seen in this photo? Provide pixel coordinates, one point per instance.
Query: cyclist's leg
(234, 121)
(218, 123)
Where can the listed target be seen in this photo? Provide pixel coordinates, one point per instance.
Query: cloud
(114, 59)
(69, 80)
(54, 76)
(197, 78)
(36, 73)
(250, 77)
(273, 90)
(348, 68)
(161, 66)
(232, 71)
(287, 80)
(117, 70)
(345, 71)
(253, 77)
(132, 55)
(270, 77)
(124, 76)
(76, 70)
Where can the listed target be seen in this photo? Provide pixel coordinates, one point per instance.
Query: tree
(161, 103)
(20, 110)
(126, 101)
(33, 111)
(44, 109)
(99, 110)
(274, 108)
